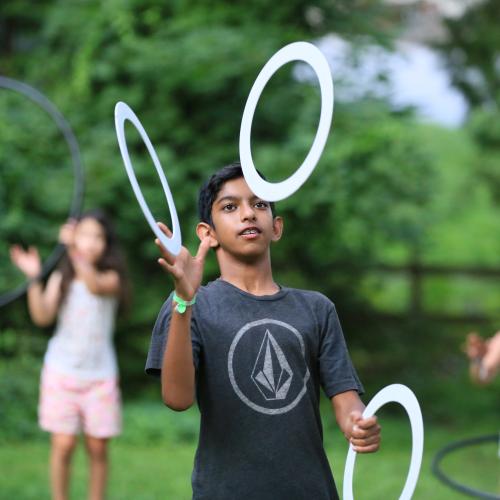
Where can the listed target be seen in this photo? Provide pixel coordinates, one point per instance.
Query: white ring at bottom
(394, 393)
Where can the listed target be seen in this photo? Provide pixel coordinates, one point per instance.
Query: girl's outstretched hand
(186, 270)
(28, 261)
(67, 232)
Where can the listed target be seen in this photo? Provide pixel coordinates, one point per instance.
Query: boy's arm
(178, 373)
(362, 433)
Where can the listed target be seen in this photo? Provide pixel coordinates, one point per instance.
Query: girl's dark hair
(211, 188)
(111, 259)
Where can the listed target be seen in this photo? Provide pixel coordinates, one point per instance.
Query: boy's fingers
(164, 229)
(369, 440)
(203, 248)
(170, 269)
(366, 423)
(358, 433)
(365, 427)
(366, 449)
(165, 253)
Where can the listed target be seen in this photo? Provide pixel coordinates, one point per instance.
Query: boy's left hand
(365, 433)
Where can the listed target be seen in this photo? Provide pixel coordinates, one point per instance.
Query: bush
(19, 382)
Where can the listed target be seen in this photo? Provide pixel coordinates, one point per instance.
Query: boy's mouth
(250, 232)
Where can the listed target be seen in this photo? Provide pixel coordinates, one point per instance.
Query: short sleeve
(337, 373)
(159, 340)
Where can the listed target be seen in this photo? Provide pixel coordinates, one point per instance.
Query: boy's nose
(247, 212)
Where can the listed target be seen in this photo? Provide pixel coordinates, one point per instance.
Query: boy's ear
(277, 228)
(203, 230)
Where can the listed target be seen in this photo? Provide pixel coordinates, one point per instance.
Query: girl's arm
(99, 283)
(362, 433)
(43, 303)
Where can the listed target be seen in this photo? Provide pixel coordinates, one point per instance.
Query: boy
(255, 354)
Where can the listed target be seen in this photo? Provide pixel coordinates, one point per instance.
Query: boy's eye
(229, 207)
(261, 204)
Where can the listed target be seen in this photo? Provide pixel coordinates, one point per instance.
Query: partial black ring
(464, 443)
(78, 185)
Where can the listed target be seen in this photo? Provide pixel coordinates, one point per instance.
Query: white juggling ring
(298, 51)
(122, 113)
(395, 393)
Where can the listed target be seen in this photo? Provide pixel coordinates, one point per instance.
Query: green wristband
(182, 304)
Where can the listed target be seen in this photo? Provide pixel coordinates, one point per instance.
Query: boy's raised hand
(186, 270)
(28, 261)
(365, 433)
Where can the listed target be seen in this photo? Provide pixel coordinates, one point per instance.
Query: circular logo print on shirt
(267, 366)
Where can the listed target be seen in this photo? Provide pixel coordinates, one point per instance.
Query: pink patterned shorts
(69, 405)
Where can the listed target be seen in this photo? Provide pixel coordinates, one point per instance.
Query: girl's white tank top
(82, 344)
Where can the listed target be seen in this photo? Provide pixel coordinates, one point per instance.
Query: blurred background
(399, 224)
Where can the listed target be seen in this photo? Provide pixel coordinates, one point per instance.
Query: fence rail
(417, 273)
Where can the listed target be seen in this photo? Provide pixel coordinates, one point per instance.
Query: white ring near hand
(298, 51)
(401, 394)
(122, 113)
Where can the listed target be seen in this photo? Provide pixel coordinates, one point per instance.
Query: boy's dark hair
(211, 188)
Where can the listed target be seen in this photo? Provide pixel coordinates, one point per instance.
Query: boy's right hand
(186, 270)
(27, 261)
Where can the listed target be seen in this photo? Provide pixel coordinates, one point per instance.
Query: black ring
(78, 186)
(464, 443)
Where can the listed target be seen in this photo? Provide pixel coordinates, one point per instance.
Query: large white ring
(401, 394)
(298, 51)
(122, 113)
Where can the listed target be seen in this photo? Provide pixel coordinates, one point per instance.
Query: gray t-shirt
(260, 361)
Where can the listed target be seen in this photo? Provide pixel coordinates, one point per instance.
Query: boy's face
(243, 224)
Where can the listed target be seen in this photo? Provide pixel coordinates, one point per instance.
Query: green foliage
(471, 52)
(186, 70)
(19, 380)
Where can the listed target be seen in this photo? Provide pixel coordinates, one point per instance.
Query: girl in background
(79, 391)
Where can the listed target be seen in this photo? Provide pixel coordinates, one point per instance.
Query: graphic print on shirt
(273, 379)
(272, 373)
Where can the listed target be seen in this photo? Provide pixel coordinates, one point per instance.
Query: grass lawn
(153, 460)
